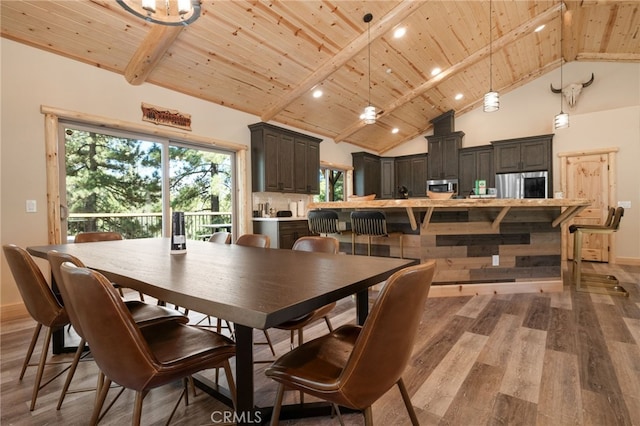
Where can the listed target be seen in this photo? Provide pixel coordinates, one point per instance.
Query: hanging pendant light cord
(369, 43)
(490, 48)
(561, 60)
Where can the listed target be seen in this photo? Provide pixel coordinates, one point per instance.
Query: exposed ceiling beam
(510, 37)
(386, 23)
(150, 52)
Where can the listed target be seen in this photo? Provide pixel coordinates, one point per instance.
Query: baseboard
(14, 311)
(631, 261)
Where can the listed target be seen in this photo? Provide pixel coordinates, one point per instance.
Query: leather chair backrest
(220, 237)
(609, 219)
(323, 221)
(317, 244)
(116, 342)
(36, 294)
(368, 222)
(254, 240)
(90, 237)
(56, 259)
(617, 217)
(386, 340)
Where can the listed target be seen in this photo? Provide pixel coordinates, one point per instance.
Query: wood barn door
(589, 175)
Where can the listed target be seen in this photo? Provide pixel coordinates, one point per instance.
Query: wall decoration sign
(165, 116)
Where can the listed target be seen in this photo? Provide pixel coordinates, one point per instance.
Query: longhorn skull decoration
(572, 91)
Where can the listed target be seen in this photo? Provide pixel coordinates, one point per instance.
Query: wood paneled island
(482, 246)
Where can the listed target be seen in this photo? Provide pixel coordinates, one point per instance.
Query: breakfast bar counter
(482, 245)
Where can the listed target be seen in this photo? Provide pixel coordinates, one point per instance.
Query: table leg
(244, 373)
(362, 306)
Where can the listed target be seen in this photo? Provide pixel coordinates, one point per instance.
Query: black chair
(323, 222)
(372, 223)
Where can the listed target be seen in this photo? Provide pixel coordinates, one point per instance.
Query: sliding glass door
(130, 183)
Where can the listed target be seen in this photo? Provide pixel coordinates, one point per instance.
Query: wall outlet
(495, 260)
(31, 206)
(624, 204)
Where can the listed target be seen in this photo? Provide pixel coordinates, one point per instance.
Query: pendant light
(491, 98)
(164, 12)
(561, 120)
(369, 115)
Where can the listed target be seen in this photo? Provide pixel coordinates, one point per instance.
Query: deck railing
(145, 225)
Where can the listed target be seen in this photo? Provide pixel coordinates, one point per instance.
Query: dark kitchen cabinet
(475, 163)
(387, 177)
(443, 155)
(307, 169)
(283, 160)
(366, 173)
(411, 172)
(283, 233)
(527, 154)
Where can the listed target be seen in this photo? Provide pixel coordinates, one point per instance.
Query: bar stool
(592, 282)
(372, 223)
(323, 222)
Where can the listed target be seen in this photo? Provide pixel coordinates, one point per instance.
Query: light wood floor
(528, 359)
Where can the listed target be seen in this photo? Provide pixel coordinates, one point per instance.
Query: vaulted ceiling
(267, 57)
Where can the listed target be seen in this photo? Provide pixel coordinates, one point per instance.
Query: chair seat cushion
(178, 349)
(145, 314)
(303, 320)
(316, 366)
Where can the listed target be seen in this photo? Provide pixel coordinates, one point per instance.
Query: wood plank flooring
(526, 359)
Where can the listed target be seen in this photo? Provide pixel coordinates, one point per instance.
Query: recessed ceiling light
(399, 32)
(395, 130)
(317, 93)
(540, 28)
(459, 96)
(435, 71)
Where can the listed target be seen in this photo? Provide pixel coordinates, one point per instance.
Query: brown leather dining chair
(42, 305)
(260, 241)
(137, 358)
(318, 245)
(143, 314)
(254, 240)
(97, 236)
(220, 237)
(354, 366)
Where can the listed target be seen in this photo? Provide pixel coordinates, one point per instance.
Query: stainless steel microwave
(446, 185)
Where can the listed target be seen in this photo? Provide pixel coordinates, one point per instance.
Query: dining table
(255, 288)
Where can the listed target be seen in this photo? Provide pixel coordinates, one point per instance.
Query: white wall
(31, 78)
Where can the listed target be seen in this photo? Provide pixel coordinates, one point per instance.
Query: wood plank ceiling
(266, 57)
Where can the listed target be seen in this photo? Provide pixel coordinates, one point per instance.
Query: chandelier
(164, 12)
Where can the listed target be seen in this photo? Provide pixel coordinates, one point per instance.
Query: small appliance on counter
(445, 185)
(522, 185)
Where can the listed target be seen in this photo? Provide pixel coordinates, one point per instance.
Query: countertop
(279, 219)
(570, 207)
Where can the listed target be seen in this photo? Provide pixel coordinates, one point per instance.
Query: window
(130, 183)
(332, 185)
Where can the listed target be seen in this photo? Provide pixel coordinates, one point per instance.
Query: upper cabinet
(475, 163)
(387, 177)
(443, 155)
(283, 160)
(366, 173)
(411, 172)
(528, 154)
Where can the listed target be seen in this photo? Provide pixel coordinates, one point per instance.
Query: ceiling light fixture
(369, 114)
(491, 98)
(561, 120)
(164, 12)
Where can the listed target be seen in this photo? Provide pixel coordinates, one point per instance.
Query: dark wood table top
(254, 287)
